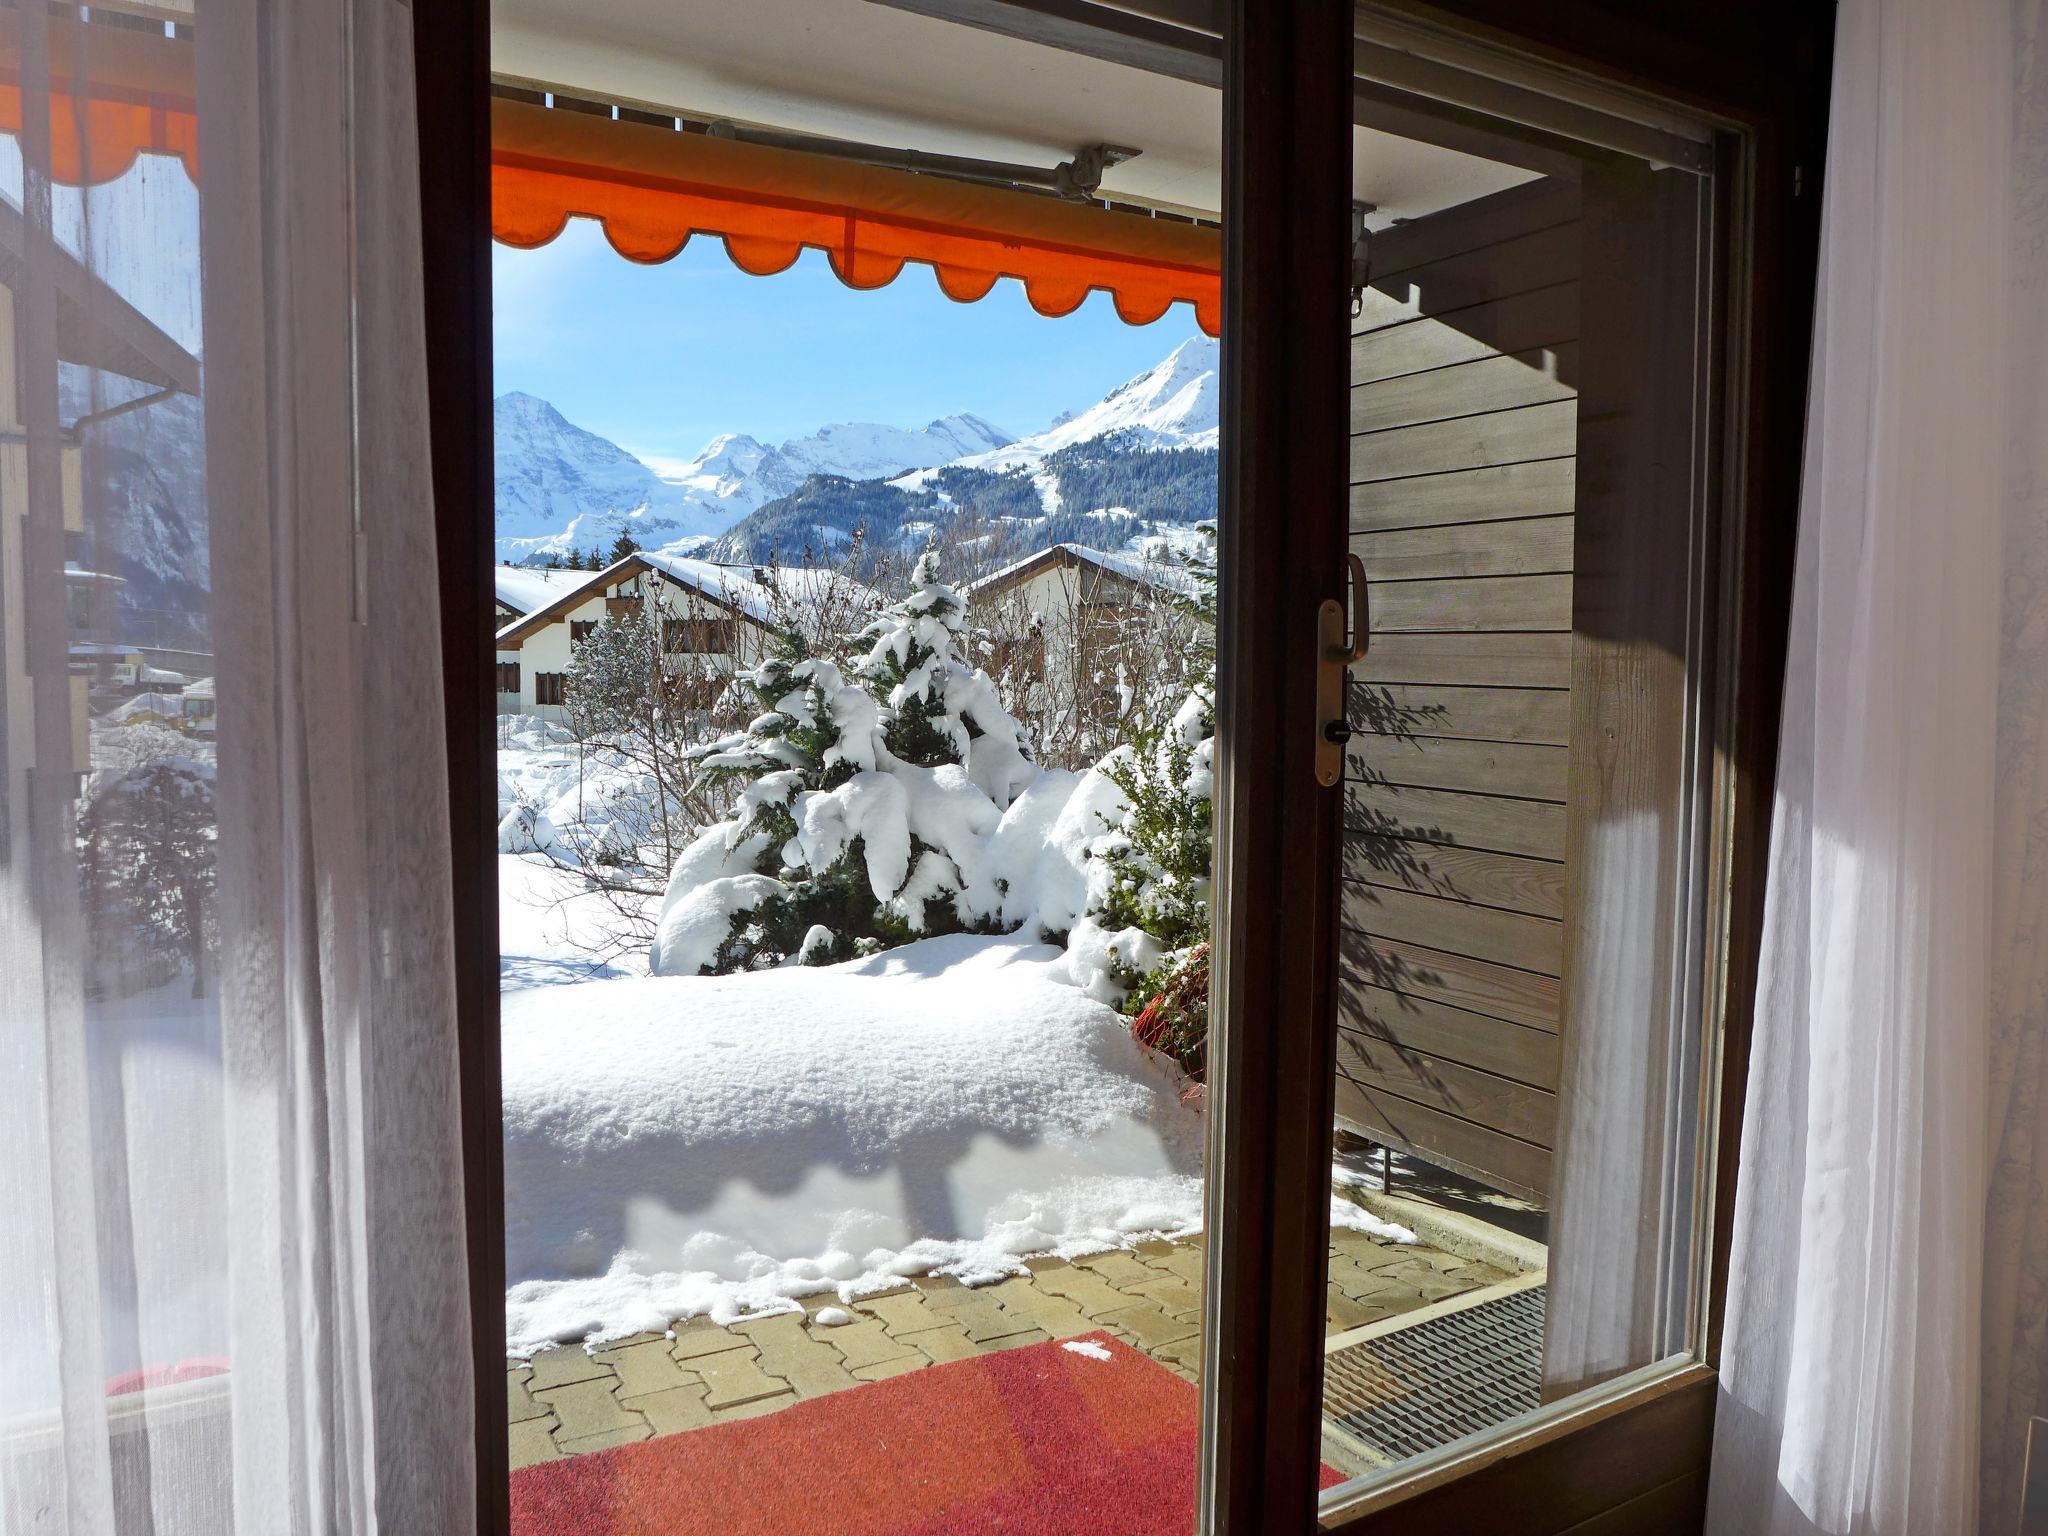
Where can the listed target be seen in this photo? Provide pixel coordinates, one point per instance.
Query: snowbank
(684, 1145)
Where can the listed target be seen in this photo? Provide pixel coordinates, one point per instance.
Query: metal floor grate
(1410, 1390)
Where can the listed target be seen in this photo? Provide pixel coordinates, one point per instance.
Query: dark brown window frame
(1637, 1465)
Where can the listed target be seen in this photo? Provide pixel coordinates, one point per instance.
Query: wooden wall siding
(1464, 420)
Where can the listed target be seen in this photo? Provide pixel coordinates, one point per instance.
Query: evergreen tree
(622, 546)
(1159, 853)
(941, 709)
(858, 794)
(147, 850)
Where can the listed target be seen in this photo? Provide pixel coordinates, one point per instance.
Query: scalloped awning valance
(652, 188)
(137, 98)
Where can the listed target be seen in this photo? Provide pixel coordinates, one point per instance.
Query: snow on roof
(147, 704)
(1165, 574)
(527, 587)
(739, 586)
(733, 585)
(199, 688)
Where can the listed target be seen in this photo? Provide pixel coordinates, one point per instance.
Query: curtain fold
(229, 1115)
(1878, 1318)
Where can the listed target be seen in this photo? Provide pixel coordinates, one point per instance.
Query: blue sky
(662, 359)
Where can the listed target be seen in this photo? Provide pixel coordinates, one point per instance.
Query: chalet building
(520, 589)
(1077, 634)
(1073, 583)
(715, 619)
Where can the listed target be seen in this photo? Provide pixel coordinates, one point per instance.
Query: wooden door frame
(451, 63)
(1766, 66)
(1283, 519)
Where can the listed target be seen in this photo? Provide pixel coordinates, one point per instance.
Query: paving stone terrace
(567, 1401)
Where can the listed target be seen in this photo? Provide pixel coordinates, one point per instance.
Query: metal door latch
(1338, 645)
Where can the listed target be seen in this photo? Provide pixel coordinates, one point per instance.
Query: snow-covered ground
(682, 1145)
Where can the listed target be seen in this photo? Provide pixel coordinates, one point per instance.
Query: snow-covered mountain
(561, 488)
(742, 473)
(1141, 458)
(1173, 404)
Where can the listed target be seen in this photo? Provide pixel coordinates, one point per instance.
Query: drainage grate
(1410, 1390)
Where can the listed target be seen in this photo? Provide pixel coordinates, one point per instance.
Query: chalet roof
(523, 588)
(1119, 565)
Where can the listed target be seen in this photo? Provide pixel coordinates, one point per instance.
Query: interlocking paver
(789, 1351)
(587, 1408)
(558, 1367)
(1178, 1260)
(947, 1343)
(1085, 1288)
(1058, 1316)
(753, 1408)
(977, 1311)
(701, 1336)
(645, 1368)
(533, 1441)
(735, 1378)
(1116, 1266)
(519, 1403)
(902, 1312)
(605, 1441)
(881, 1370)
(1148, 1325)
(677, 1408)
(1017, 1340)
(1170, 1291)
(863, 1343)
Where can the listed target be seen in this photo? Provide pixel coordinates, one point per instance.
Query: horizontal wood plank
(1475, 767)
(1533, 828)
(1415, 970)
(1437, 1029)
(1537, 660)
(1507, 880)
(1476, 603)
(1455, 927)
(1496, 383)
(1542, 488)
(1514, 436)
(1542, 320)
(1498, 1103)
(1517, 210)
(1482, 714)
(1525, 546)
(1503, 1162)
(1541, 259)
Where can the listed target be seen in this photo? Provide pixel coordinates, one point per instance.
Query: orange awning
(653, 187)
(115, 93)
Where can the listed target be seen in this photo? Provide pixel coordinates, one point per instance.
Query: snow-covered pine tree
(941, 708)
(146, 844)
(864, 802)
(1148, 926)
(815, 733)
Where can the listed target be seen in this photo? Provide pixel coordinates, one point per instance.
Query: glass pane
(854, 680)
(113, 1170)
(1519, 1056)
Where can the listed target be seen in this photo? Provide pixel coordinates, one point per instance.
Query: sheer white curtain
(233, 1296)
(1902, 993)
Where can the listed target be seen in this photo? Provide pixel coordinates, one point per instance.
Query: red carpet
(1039, 1441)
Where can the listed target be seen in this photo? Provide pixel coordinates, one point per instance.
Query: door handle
(1341, 639)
